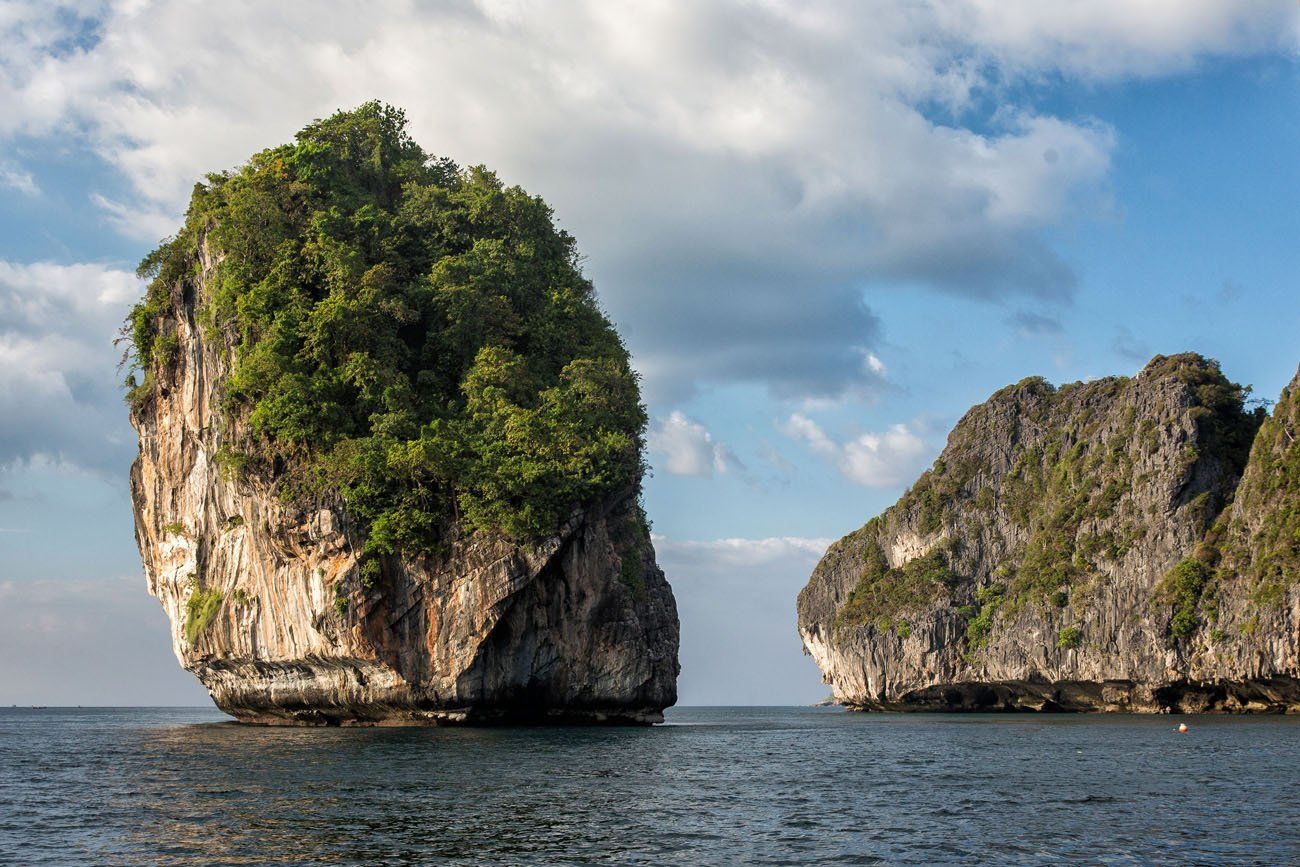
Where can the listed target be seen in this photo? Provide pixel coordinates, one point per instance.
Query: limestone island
(391, 449)
(1125, 544)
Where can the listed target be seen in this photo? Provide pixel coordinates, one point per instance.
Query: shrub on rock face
(1257, 544)
(200, 610)
(413, 337)
(1182, 588)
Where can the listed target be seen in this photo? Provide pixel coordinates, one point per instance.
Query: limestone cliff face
(268, 609)
(1070, 550)
(1254, 548)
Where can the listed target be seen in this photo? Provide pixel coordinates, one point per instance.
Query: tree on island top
(413, 338)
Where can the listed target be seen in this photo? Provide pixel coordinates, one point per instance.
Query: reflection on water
(718, 786)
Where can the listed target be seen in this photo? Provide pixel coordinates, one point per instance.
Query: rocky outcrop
(1081, 548)
(269, 610)
(1244, 600)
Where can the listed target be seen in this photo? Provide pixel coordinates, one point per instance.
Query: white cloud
(737, 173)
(876, 460)
(1110, 38)
(60, 402)
(140, 222)
(799, 426)
(884, 460)
(741, 552)
(16, 178)
(687, 447)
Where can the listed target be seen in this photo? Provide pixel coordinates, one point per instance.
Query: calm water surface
(714, 786)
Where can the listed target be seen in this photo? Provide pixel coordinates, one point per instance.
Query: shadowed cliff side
(1078, 548)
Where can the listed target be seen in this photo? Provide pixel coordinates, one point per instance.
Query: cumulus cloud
(687, 447)
(740, 642)
(739, 175)
(875, 460)
(59, 397)
(1104, 39)
(140, 223)
(735, 552)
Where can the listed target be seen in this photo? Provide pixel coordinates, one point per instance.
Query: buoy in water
(1182, 728)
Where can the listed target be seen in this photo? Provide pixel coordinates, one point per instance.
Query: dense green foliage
(1182, 588)
(1253, 550)
(200, 610)
(414, 337)
(884, 595)
(988, 599)
(1269, 557)
(630, 533)
(1068, 637)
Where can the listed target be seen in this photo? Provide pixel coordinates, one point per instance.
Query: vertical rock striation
(268, 611)
(1081, 548)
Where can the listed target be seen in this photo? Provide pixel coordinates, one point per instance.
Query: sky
(825, 230)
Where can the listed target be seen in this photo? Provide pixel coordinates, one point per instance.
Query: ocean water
(713, 786)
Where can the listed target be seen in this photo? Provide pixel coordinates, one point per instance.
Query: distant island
(1126, 544)
(391, 449)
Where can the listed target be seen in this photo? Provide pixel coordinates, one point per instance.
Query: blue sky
(824, 231)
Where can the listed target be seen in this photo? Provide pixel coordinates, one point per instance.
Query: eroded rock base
(447, 717)
(1274, 695)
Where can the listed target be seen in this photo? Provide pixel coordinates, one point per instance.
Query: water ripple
(718, 786)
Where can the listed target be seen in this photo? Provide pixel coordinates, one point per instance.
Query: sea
(725, 785)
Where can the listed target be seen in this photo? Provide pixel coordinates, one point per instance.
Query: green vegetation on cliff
(1182, 588)
(1220, 404)
(200, 610)
(1265, 547)
(1253, 549)
(1063, 501)
(885, 595)
(414, 337)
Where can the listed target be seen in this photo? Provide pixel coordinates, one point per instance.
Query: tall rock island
(1126, 544)
(391, 449)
